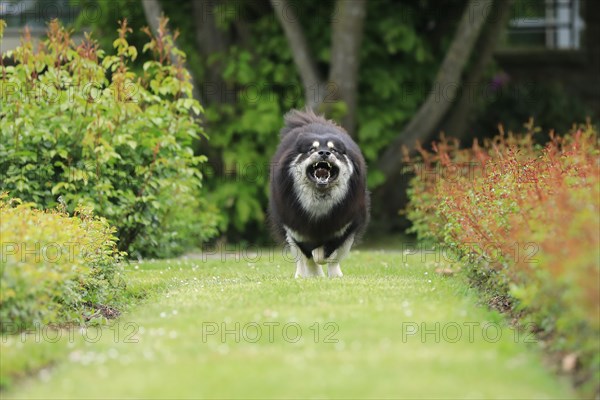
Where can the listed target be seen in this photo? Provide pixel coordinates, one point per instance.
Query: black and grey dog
(319, 202)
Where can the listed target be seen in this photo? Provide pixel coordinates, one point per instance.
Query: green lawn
(391, 328)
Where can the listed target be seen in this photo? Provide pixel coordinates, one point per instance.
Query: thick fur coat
(319, 203)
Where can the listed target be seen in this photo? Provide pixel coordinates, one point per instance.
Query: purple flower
(499, 80)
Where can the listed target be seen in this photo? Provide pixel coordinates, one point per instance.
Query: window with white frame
(553, 24)
(35, 15)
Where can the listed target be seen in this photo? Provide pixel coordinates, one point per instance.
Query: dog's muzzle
(322, 172)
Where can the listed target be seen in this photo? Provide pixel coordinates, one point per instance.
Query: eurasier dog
(319, 202)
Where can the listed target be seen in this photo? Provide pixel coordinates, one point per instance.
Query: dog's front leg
(313, 269)
(300, 269)
(334, 270)
(333, 261)
(305, 267)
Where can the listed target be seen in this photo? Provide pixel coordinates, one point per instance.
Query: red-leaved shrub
(530, 217)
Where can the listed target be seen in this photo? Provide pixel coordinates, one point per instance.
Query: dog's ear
(298, 118)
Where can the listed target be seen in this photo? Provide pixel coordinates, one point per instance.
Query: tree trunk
(346, 38)
(389, 198)
(153, 11)
(444, 87)
(457, 120)
(210, 41)
(347, 32)
(306, 66)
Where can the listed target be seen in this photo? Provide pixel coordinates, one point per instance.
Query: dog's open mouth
(323, 172)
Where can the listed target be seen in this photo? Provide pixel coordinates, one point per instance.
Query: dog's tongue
(322, 173)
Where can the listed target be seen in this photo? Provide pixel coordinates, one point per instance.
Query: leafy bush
(53, 266)
(531, 216)
(80, 124)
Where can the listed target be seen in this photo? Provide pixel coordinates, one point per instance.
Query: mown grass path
(391, 328)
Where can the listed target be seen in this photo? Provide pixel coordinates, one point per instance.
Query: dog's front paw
(334, 271)
(308, 269)
(319, 256)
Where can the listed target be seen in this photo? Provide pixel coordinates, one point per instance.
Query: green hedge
(527, 220)
(54, 267)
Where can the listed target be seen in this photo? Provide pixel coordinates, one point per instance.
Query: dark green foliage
(403, 45)
(399, 58)
(401, 50)
(511, 104)
(245, 131)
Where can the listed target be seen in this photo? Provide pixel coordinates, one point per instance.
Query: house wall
(577, 71)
